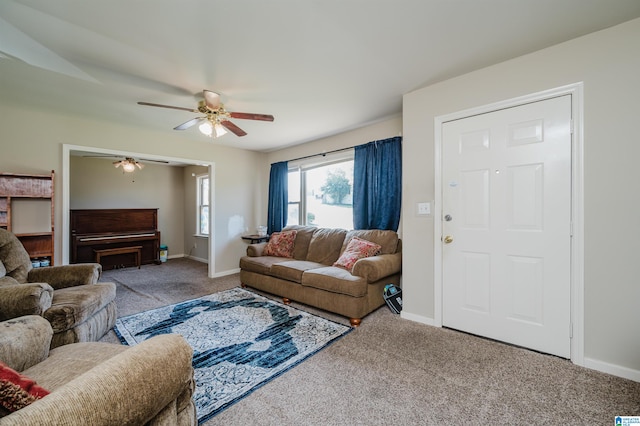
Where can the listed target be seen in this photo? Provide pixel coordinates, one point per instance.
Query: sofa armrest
(255, 250)
(130, 388)
(67, 275)
(17, 300)
(24, 341)
(375, 268)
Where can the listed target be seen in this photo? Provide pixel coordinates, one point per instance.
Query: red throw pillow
(280, 244)
(356, 249)
(16, 390)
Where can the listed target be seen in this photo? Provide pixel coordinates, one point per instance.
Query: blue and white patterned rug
(240, 341)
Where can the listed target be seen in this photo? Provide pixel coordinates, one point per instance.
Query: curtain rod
(322, 154)
(334, 151)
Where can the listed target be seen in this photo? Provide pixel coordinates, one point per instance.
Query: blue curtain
(377, 184)
(278, 197)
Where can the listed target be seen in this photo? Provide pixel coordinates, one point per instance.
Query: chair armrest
(127, 389)
(255, 250)
(67, 275)
(375, 268)
(24, 341)
(17, 300)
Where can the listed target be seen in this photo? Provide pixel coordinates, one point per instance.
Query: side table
(255, 238)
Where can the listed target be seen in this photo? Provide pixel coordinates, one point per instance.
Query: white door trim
(577, 203)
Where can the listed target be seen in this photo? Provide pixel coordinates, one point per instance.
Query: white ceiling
(319, 66)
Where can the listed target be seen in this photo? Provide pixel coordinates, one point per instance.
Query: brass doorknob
(448, 239)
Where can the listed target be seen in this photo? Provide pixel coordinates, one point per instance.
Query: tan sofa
(310, 278)
(97, 383)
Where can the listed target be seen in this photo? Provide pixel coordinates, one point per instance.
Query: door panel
(507, 189)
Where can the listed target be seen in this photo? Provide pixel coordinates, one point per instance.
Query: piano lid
(113, 221)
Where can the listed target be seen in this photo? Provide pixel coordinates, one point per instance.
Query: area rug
(240, 341)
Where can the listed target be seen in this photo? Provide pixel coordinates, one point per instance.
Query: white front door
(507, 225)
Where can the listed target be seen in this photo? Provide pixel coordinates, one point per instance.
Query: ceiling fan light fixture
(128, 166)
(206, 128)
(220, 130)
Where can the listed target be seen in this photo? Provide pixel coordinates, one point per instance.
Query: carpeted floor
(394, 371)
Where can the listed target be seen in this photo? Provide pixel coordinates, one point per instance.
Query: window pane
(204, 219)
(294, 186)
(204, 195)
(293, 214)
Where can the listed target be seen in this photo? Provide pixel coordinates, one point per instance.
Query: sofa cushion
(356, 249)
(17, 390)
(387, 240)
(325, 245)
(293, 269)
(303, 238)
(74, 305)
(261, 264)
(280, 244)
(335, 280)
(66, 363)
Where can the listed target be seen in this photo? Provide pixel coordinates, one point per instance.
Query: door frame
(577, 203)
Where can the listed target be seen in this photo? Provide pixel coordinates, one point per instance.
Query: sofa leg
(243, 285)
(355, 322)
(286, 301)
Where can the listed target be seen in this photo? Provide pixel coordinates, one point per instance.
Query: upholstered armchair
(93, 383)
(78, 307)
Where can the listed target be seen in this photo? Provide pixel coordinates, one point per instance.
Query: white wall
(608, 62)
(31, 142)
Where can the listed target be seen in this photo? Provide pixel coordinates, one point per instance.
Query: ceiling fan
(128, 164)
(216, 117)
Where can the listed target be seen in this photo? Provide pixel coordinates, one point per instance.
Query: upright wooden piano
(98, 229)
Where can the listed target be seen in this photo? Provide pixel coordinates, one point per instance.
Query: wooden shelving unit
(28, 187)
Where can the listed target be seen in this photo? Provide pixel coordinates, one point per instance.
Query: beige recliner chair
(98, 383)
(78, 307)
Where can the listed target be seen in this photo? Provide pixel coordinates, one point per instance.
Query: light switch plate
(424, 209)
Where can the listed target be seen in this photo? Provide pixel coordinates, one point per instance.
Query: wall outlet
(195, 245)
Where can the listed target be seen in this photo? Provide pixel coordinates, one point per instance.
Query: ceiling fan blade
(168, 106)
(251, 116)
(154, 161)
(233, 128)
(190, 123)
(212, 99)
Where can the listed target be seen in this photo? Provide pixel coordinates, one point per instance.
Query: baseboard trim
(616, 370)
(198, 259)
(225, 273)
(417, 318)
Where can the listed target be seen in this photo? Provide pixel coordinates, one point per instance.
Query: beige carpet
(394, 371)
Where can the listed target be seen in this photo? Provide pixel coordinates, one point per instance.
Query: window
(322, 194)
(203, 205)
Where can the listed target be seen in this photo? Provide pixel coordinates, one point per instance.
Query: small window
(203, 205)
